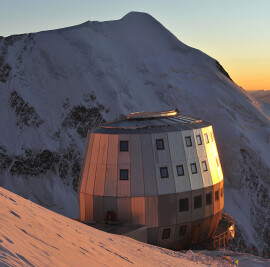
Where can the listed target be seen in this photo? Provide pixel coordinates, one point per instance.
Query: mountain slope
(55, 85)
(31, 235)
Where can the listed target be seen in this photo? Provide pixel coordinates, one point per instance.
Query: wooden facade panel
(183, 216)
(110, 188)
(167, 209)
(100, 180)
(98, 208)
(136, 166)
(149, 173)
(112, 157)
(82, 206)
(138, 210)
(163, 155)
(88, 207)
(165, 185)
(124, 156)
(151, 206)
(182, 183)
(176, 146)
(124, 209)
(86, 162)
(123, 186)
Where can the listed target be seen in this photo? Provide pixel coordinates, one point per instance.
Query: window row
(124, 145)
(167, 232)
(183, 202)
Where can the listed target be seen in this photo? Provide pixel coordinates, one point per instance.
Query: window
(221, 192)
(183, 229)
(212, 137)
(204, 165)
(199, 139)
(180, 170)
(123, 145)
(188, 141)
(197, 202)
(206, 138)
(166, 233)
(193, 168)
(217, 161)
(183, 204)
(217, 195)
(123, 174)
(209, 198)
(163, 172)
(160, 144)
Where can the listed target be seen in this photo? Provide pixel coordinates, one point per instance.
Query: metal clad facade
(123, 186)
(138, 210)
(86, 163)
(199, 212)
(136, 166)
(112, 167)
(98, 208)
(88, 207)
(82, 206)
(167, 209)
(149, 173)
(183, 216)
(124, 209)
(110, 205)
(124, 156)
(101, 166)
(168, 242)
(151, 206)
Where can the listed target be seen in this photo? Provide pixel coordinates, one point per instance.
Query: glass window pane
(199, 140)
(204, 166)
(188, 141)
(164, 172)
(206, 138)
(193, 168)
(123, 174)
(180, 170)
(209, 198)
(160, 144)
(166, 233)
(183, 204)
(123, 145)
(217, 195)
(197, 202)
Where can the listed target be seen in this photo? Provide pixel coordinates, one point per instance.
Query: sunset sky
(235, 32)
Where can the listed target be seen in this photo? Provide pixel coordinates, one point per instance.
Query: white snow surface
(31, 235)
(132, 64)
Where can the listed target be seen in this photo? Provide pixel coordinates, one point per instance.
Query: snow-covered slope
(56, 85)
(31, 235)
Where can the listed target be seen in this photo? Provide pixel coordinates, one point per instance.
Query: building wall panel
(88, 207)
(152, 236)
(124, 209)
(138, 210)
(110, 188)
(196, 179)
(182, 183)
(161, 156)
(98, 209)
(100, 180)
(82, 206)
(152, 211)
(123, 186)
(124, 156)
(176, 146)
(190, 152)
(183, 216)
(136, 166)
(182, 242)
(86, 162)
(199, 212)
(165, 185)
(209, 209)
(167, 208)
(110, 205)
(149, 173)
(113, 147)
(216, 203)
(168, 242)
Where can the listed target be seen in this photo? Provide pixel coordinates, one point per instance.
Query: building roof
(151, 122)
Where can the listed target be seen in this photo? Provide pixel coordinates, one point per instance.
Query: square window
(123, 174)
(166, 233)
(197, 202)
(183, 204)
(206, 138)
(209, 198)
(217, 195)
(180, 170)
(188, 141)
(222, 192)
(183, 229)
(164, 172)
(193, 168)
(199, 139)
(204, 165)
(160, 144)
(123, 145)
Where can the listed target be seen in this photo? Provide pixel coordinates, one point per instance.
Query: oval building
(159, 169)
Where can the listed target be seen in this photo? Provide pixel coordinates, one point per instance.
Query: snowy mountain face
(56, 85)
(31, 235)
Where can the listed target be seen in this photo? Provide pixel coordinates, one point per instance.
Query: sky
(235, 32)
